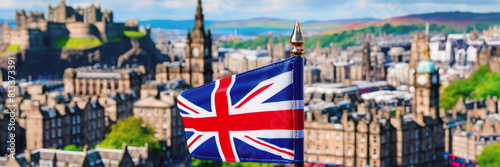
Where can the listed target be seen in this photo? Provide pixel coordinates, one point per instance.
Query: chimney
(147, 150)
(85, 147)
(27, 155)
(124, 146)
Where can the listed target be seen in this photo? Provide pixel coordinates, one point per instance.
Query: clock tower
(426, 88)
(198, 52)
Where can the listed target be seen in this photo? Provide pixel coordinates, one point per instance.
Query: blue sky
(301, 10)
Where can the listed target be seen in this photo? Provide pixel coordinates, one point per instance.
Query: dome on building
(425, 66)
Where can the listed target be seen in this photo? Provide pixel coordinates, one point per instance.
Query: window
(141, 113)
(326, 150)
(58, 132)
(47, 135)
(374, 151)
(349, 150)
(47, 125)
(375, 139)
(58, 122)
(337, 137)
(309, 135)
(317, 149)
(363, 138)
(77, 119)
(317, 135)
(53, 123)
(73, 120)
(349, 137)
(337, 150)
(327, 136)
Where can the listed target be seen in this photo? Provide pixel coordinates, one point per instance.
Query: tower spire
(199, 17)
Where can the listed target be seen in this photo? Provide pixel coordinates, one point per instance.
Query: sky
(224, 10)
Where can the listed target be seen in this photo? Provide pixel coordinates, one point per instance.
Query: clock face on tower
(196, 52)
(422, 80)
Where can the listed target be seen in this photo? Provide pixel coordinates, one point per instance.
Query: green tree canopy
(72, 147)
(132, 132)
(481, 84)
(489, 157)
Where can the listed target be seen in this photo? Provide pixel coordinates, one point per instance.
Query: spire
(426, 28)
(297, 40)
(426, 52)
(198, 24)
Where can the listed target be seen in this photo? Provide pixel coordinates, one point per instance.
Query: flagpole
(297, 41)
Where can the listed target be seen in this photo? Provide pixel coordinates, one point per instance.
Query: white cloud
(7, 4)
(13, 4)
(361, 4)
(178, 3)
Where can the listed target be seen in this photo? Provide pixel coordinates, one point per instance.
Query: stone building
(161, 113)
(196, 69)
(418, 48)
(470, 126)
(127, 156)
(377, 130)
(34, 30)
(117, 106)
(94, 81)
(79, 122)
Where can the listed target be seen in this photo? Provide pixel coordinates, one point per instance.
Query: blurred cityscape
(81, 89)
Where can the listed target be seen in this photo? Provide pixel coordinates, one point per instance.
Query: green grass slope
(77, 43)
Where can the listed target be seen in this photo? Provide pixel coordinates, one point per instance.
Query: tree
(489, 156)
(72, 147)
(132, 132)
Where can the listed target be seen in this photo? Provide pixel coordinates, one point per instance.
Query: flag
(255, 116)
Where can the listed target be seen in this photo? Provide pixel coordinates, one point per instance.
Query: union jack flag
(255, 116)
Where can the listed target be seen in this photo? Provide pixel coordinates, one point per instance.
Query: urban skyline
(83, 88)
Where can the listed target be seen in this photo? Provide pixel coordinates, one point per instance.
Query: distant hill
(264, 22)
(454, 19)
(252, 26)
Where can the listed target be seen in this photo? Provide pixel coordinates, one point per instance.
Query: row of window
(148, 113)
(52, 133)
(52, 123)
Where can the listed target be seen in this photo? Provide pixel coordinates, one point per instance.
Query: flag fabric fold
(255, 116)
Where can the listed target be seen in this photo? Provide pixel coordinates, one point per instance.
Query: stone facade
(161, 113)
(196, 69)
(94, 81)
(127, 156)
